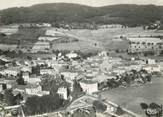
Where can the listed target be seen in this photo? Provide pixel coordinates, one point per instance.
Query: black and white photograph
(81, 58)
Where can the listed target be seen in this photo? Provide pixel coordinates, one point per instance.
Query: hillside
(64, 12)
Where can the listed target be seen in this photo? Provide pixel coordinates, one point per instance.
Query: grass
(88, 40)
(131, 97)
(26, 37)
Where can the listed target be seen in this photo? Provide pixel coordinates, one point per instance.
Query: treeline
(68, 13)
(38, 105)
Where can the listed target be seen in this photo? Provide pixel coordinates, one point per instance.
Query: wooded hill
(68, 13)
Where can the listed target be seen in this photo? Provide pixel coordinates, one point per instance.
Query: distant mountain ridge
(66, 12)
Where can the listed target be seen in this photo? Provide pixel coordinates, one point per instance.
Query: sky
(97, 3)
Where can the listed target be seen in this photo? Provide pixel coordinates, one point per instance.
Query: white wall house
(144, 44)
(63, 93)
(72, 55)
(36, 90)
(119, 71)
(26, 69)
(33, 80)
(69, 75)
(151, 61)
(47, 38)
(89, 86)
(47, 71)
(25, 76)
(152, 68)
(10, 71)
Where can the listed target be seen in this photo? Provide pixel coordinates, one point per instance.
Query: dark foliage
(10, 99)
(52, 83)
(57, 13)
(77, 90)
(44, 104)
(20, 80)
(119, 111)
(99, 106)
(143, 106)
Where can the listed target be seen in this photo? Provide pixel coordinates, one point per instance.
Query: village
(67, 83)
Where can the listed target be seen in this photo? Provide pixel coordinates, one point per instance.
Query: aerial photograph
(81, 58)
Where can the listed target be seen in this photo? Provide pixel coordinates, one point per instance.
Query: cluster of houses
(145, 44)
(89, 72)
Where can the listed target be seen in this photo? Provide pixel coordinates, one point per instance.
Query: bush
(119, 111)
(99, 106)
(44, 104)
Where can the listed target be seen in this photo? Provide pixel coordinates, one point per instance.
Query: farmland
(87, 40)
(131, 97)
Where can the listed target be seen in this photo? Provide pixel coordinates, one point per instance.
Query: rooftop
(146, 39)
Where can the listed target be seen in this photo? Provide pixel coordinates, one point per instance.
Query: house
(152, 68)
(103, 78)
(89, 86)
(151, 61)
(26, 69)
(33, 79)
(119, 71)
(47, 71)
(63, 93)
(46, 25)
(36, 90)
(48, 38)
(144, 44)
(161, 65)
(69, 75)
(72, 55)
(5, 59)
(41, 46)
(136, 67)
(103, 54)
(25, 76)
(14, 71)
(106, 66)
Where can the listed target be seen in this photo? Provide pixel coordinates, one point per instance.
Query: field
(109, 38)
(88, 40)
(131, 98)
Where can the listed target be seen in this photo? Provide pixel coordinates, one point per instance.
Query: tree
(9, 97)
(149, 78)
(18, 98)
(154, 110)
(144, 106)
(36, 70)
(119, 111)
(52, 83)
(99, 106)
(44, 104)
(20, 81)
(77, 90)
(154, 106)
(1, 97)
